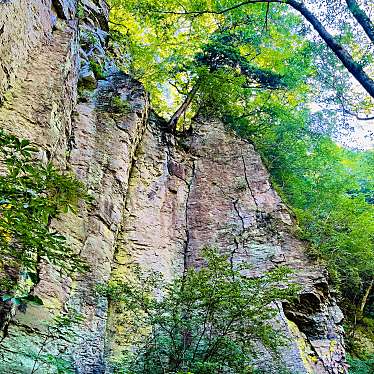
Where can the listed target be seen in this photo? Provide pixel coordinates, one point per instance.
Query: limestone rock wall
(157, 200)
(93, 137)
(215, 191)
(154, 225)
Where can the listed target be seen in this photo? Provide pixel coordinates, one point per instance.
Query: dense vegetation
(331, 192)
(208, 320)
(32, 193)
(260, 67)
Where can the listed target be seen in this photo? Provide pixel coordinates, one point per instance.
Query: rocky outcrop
(41, 80)
(24, 25)
(233, 207)
(157, 199)
(213, 190)
(95, 138)
(102, 155)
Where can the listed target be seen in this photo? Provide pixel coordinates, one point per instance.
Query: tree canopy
(163, 41)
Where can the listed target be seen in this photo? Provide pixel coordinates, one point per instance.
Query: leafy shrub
(210, 320)
(97, 69)
(32, 193)
(358, 366)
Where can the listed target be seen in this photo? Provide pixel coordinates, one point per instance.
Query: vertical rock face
(24, 25)
(95, 138)
(217, 193)
(156, 201)
(39, 64)
(102, 155)
(233, 207)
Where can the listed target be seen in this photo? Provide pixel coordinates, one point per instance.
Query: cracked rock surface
(217, 193)
(157, 200)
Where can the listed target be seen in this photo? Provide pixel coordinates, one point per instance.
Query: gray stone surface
(218, 194)
(102, 154)
(24, 25)
(155, 202)
(249, 222)
(87, 77)
(65, 9)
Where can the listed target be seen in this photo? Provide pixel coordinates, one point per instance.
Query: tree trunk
(352, 66)
(362, 18)
(366, 296)
(172, 124)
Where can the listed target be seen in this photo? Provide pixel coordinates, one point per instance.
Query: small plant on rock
(97, 69)
(120, 106)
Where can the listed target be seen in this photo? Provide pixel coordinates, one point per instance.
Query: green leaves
(169, 51)
(358, 366)
(32, 193)
(209, 320)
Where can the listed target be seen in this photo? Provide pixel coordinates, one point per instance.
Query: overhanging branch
(343, 55)
(362, 18)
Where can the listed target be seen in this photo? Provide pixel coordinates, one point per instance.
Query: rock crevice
(158, 200)
(217, 201)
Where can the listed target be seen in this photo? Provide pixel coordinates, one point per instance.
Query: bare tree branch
(358, 117)
(266, 16)
(349, 112)
(343, 55)
(366, 296)
(226, 10)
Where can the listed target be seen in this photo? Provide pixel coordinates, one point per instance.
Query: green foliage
(209, 320)
(97, 69)
(88, 38)
(170, 53)
(31, 194)
(358, 366)
(80, 13)
(330, 190)
(118, 105)
(360, 339)
(21, 298)
(85, 94)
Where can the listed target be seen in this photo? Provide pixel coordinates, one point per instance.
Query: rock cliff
(157, 198)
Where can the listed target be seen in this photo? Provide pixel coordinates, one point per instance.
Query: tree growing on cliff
(209, 320)
(259, 67)
(164, 39)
